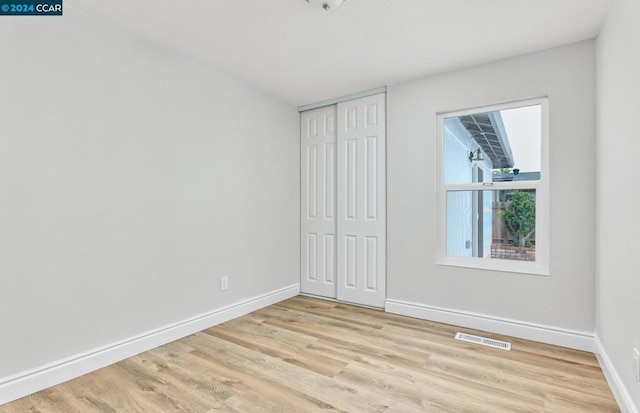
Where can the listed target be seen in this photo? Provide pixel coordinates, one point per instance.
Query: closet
(343, 201)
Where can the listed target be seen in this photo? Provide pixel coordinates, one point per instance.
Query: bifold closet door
(318, 203)
(361, 200)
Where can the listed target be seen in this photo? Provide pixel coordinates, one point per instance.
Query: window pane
(492, 224)
(505, 145)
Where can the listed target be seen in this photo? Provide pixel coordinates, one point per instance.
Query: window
(492, 172)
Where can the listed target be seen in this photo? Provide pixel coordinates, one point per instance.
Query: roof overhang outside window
(487, 129)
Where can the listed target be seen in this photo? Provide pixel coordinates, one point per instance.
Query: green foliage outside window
(520, 217)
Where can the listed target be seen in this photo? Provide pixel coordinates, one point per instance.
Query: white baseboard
(529, 331)
(23, 384)
(619, 390)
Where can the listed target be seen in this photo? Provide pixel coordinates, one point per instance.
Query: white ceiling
(303, 55)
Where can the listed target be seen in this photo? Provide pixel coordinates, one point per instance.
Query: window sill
(518, 267)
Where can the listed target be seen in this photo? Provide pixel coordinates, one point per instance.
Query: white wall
(131, 179)
(618, 220)
(564, 300)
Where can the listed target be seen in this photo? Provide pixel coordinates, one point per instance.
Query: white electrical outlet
(636, 357)
(224, 283)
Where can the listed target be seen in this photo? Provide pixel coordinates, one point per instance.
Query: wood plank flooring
(310, 355)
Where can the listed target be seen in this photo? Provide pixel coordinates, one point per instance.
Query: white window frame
(541, 265)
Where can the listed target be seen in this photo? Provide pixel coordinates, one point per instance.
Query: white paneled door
(343, 201)
(361, 212)
(318, 212)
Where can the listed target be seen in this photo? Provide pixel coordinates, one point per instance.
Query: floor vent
(489, 342)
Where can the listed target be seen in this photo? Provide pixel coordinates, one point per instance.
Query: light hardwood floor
(310, 355)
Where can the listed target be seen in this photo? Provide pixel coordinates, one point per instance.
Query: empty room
(319, 205)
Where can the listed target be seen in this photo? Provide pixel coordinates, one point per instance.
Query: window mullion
(496, 186)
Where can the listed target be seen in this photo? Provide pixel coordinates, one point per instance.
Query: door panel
(361, 192)
(318, 206)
